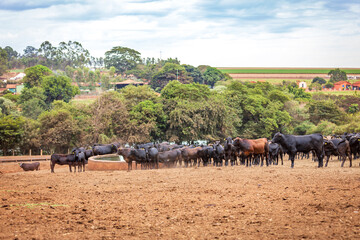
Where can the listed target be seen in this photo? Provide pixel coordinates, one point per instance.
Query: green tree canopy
(58, 88)
(3, 61)
(325, 110)
(34, 75)
(11, 132)
(337, 75)
(170, 72)
(213, 75)
(133, 95)
(122, 58)
(194, 73)
(318, 80)
(57, 130)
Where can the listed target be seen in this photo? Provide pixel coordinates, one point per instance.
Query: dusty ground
(195, 203)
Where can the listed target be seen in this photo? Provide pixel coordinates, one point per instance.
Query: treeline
(43, 117)
(73, 60)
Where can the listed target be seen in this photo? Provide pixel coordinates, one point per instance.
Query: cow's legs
(292, 158)
(320, 157)
(327, 160)
(343, 160)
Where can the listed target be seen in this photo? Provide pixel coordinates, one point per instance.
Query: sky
(219, 33)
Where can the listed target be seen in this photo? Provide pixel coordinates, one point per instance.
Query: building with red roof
(342, 85)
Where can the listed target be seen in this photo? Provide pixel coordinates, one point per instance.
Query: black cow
(152, 156)
(190, 155)
(219, 154)
(275, 150)
(337, 147)
(104, 149)
(63, 159)
(80, 157)
(169, 158)
(145, 146)
(293, 144)
(30, 166)
(354, 142)
(206, 154)
(136, 155)
(229, 151)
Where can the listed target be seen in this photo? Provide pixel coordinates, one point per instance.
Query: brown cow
(253, 147)
(30, 166)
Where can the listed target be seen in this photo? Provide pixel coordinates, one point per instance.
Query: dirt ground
(273, 202)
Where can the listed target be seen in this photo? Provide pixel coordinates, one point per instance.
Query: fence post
(30, 152)
(40, 152)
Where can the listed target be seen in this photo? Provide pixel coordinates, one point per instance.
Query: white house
(302, 85)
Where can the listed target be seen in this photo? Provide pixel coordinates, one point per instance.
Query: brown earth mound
(184, 203)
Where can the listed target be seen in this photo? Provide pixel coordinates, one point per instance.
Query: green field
(286, 70)
(17, 70)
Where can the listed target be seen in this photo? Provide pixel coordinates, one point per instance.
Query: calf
(30, 166)
(275, 150)
(337, 147)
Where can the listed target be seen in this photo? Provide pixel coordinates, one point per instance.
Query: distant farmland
(285, 70)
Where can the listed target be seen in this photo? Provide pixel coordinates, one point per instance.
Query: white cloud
(230, 33)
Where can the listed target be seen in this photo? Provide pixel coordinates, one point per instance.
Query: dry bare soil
(184, 203)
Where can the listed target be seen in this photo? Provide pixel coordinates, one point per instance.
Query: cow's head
(277, 137)
(21, 165)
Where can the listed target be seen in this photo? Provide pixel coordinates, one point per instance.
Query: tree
(30, 138)
(32, 102)
(319, 80)
(329, 85)
(110, 117)
(7, 107)
(10, 132)
(169, 72)
(353, 108)
(12, 97)
(325, 110)
(58, 88)
(194, 73)
(34, 75)
(149, 121)
(122, 58)
(277, 95)
(49, 53)
(133, 95)
(3, 61)
(337, 75)
(194, 91)
(213, 75)
(11, 53)
(73, 54)
(30, 52)
(57, 130)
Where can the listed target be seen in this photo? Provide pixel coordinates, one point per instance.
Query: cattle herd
(232, 150)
